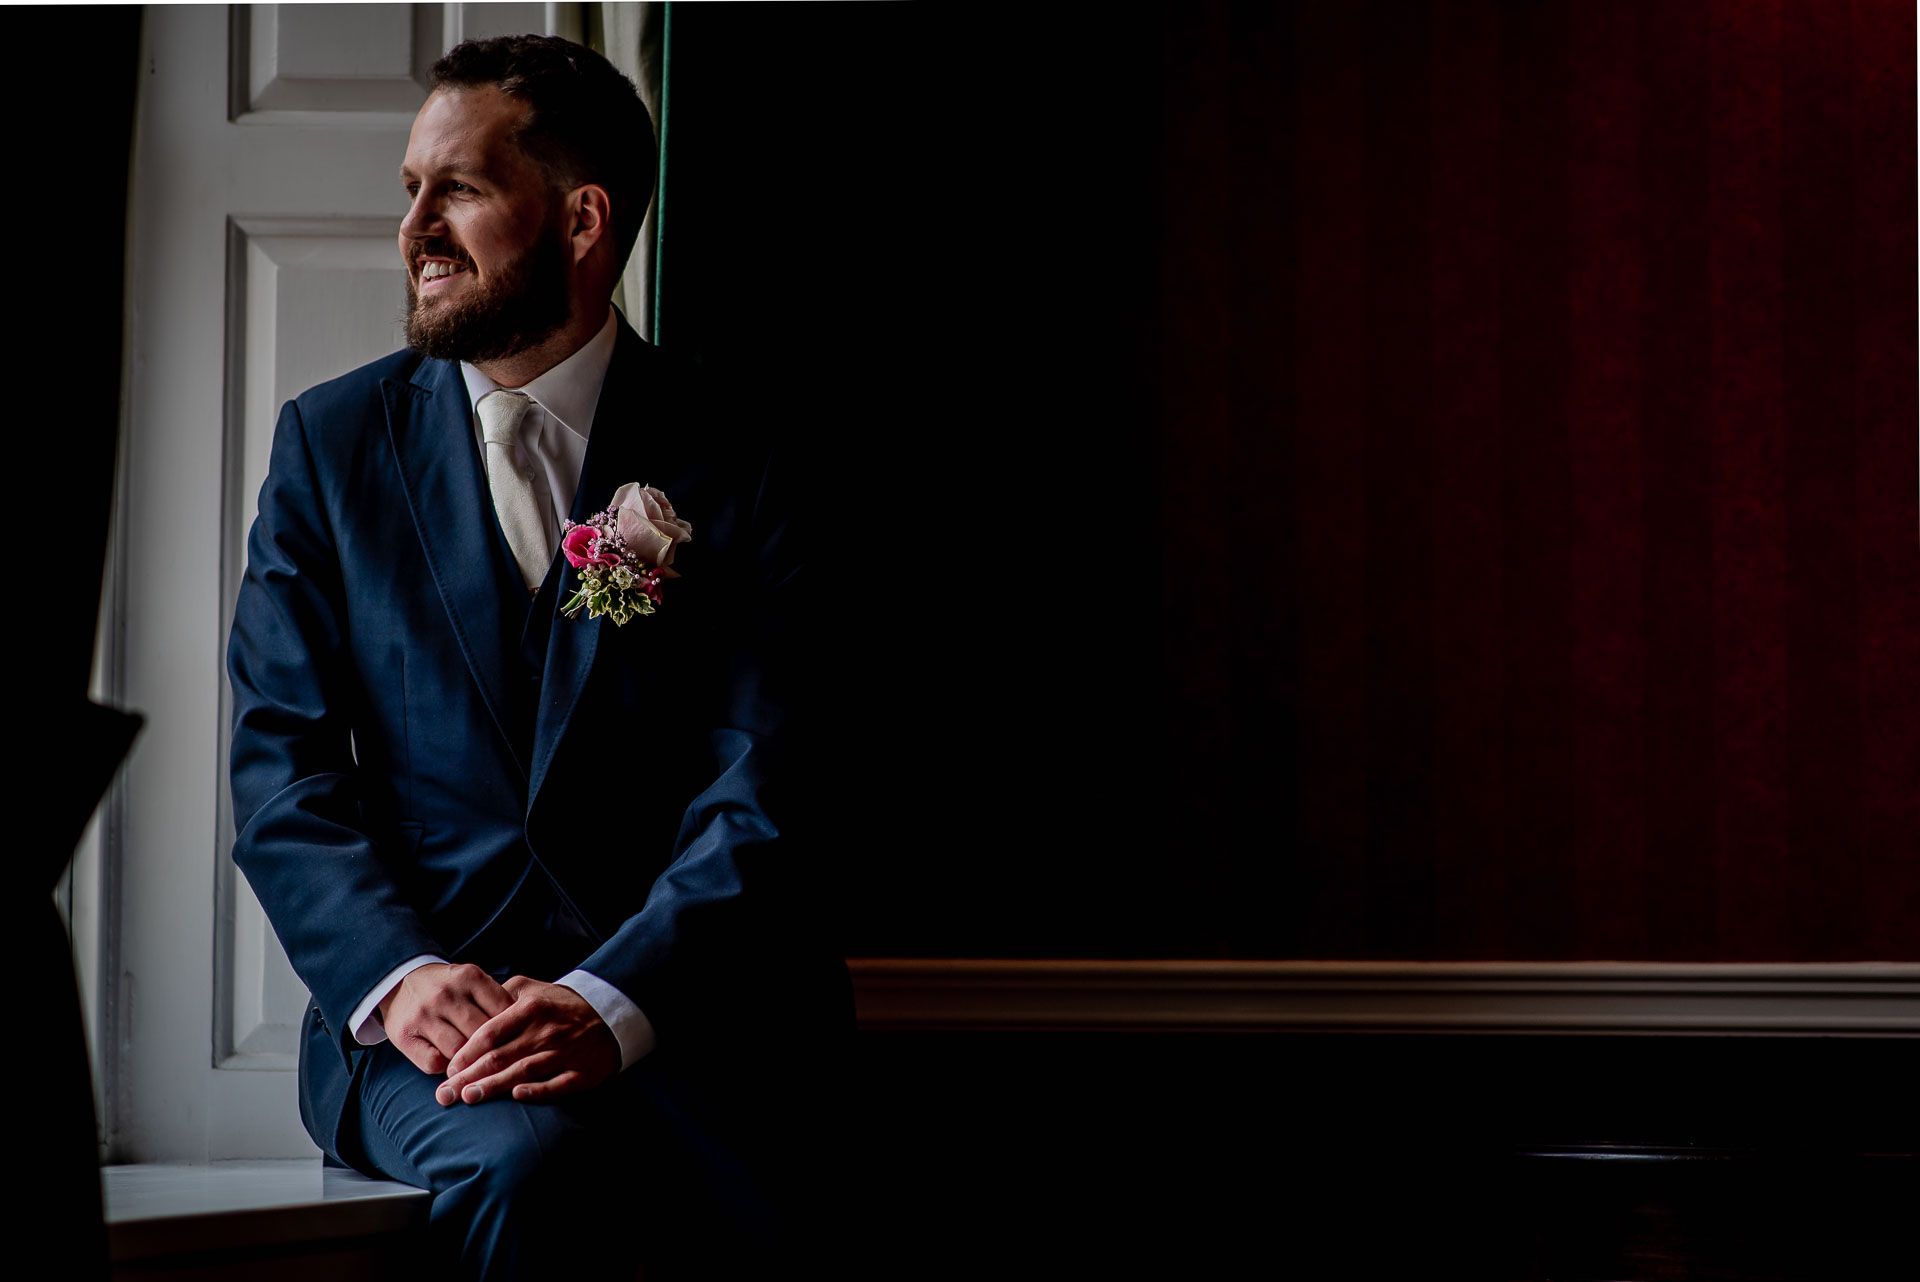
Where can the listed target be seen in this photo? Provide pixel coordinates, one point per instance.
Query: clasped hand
(533, 1039)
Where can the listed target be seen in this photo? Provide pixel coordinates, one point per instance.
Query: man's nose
(422, 218)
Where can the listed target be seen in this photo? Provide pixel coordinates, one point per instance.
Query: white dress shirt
(554, 430)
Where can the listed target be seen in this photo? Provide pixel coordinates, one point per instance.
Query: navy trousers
(639, 1173)
(687, 1166)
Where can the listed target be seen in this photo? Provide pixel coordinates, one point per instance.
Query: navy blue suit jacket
(398, 778)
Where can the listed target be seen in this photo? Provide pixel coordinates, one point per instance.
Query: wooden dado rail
(1858, 999)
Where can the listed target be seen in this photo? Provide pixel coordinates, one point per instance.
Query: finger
(479, 1067)
(422, 1054)
(493, 1032)
(473, 1015)
(494, 1000)
(559, 1084)
(476, 1059)
(482, 989)
(446, 1037)
(533, 1068)
(430, 1042)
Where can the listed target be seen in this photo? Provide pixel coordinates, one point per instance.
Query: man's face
(480, 205)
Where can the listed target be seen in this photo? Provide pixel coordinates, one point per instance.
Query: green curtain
(633, 38)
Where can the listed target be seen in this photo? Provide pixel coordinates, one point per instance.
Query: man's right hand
(434, 1009)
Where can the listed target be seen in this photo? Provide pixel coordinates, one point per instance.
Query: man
(539, 870)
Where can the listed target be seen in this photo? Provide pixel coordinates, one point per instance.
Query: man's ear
(589, 219)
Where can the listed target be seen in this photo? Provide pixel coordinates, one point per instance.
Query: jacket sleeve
(325, 884)
(715, 937)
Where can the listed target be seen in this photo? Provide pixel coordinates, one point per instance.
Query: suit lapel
(430, 422)
(634, 438)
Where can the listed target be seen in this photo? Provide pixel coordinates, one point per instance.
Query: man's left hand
(549, 1042)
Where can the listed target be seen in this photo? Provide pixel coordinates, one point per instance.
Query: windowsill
(172, 1209)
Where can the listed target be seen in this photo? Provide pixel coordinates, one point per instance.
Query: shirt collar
(569, 391)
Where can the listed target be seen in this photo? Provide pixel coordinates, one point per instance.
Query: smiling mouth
(428, 284)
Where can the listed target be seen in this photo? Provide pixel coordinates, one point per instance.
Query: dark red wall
(1538, 412)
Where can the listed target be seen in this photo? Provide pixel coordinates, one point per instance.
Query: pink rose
(647, 524)
(577, 544)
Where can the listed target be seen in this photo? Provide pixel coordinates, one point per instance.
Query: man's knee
(539, 1151)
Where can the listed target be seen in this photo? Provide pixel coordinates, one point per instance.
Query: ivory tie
(514, 498)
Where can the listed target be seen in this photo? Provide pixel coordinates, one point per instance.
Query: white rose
(648, 525)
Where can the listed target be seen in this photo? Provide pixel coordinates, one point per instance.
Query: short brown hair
(585, 121)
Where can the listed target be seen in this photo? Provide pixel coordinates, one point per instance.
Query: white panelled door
(265, 211)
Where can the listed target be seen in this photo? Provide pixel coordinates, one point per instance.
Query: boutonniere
(623, 553)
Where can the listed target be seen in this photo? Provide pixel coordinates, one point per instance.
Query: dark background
(1337, 480)
(930, 234)
(1393, 481)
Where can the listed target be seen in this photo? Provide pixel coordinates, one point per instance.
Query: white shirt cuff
(365, 1020)
(630, 1026)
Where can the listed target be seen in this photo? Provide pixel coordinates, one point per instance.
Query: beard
(524, 304)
